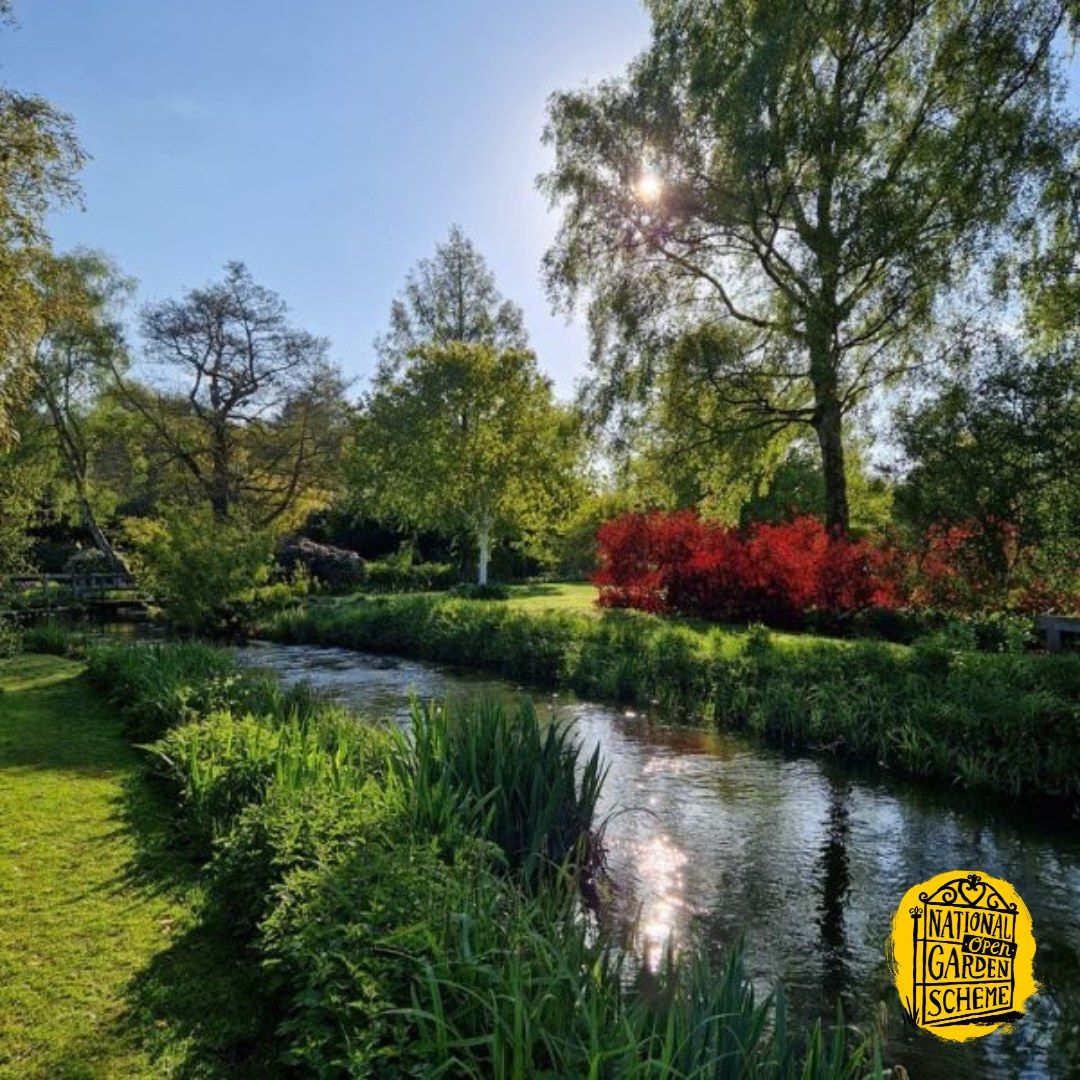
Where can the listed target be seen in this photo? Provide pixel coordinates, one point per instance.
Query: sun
(649, 186)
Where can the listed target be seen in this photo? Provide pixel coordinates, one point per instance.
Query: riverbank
(102, 969)
(984, 721)
(389, 915)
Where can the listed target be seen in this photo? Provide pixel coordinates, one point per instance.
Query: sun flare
(649, 186)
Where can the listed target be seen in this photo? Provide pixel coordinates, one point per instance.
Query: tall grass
(1002, 722)
(161, 685)
(526, 787)
(512, 999)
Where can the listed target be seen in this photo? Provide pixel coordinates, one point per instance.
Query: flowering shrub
(781, 574)
(678, 563)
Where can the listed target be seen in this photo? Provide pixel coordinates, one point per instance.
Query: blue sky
(329, 144)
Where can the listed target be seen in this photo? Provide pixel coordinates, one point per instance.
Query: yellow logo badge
(962, 954)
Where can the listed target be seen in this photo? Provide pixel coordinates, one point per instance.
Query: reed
(527, 787)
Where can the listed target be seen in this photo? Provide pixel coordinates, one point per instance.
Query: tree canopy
(815, 175)
(81, 345)
(251, 409)
(451, 297)
(467, 439)
(40, 158)
(995, 448)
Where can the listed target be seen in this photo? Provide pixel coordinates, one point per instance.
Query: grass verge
(103, 969)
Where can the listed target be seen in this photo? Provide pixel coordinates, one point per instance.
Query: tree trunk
(70, 445)
(485, 554)
(220, 483)
(828, 423)
(101, 541)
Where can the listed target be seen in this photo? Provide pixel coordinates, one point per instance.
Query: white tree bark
(485, 553)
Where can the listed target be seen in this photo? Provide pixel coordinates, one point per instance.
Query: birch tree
(466, 439)
(814, 174)
(81, 343)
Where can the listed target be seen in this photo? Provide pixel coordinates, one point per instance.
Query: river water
(712, 839)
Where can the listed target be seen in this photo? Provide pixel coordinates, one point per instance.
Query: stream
(713, 839)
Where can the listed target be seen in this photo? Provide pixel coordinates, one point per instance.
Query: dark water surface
(713, 837)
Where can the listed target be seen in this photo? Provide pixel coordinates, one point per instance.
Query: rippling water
(712, 838)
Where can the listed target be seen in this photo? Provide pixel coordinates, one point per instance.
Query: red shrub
(777, 573)
(679, 564)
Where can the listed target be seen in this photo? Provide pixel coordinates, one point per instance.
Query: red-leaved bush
(677, 563)
(974, 565)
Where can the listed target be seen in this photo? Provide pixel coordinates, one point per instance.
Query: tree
(39, 160)
(450, 298)
(204, 568)
(690, 446)
(1050, 273)
(996, 449)
(81, 343)
(467, 438)
(256, 414)
(27, 469)
(814, 174)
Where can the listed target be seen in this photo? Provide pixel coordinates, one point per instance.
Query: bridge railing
(82, 586)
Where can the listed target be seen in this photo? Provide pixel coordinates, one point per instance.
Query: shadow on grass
(197, 1008)
(525, 592)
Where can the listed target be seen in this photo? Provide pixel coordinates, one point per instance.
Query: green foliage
(400, 572)
(802, 231)
(574, 551)
(470, 591)
(10, 638)
(996, 447)
(158, 687)
(469, 440)
(797, 486)
(80, 348)
(53, 638)
(256, 418)
(203, 568)
(348, 943)
(25, 474)
(997, 721)
(38, 172)
(532, 793)
(217, 766)
(451, 297)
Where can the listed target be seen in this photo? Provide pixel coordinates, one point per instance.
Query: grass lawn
(102, 973)
(578, 597)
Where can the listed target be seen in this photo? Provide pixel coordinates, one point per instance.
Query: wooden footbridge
(99, 594)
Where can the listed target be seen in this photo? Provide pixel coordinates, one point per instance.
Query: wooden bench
(1057, 628)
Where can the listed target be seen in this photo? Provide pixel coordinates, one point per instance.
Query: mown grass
(578, 597)
(103, 970)
(998, 722)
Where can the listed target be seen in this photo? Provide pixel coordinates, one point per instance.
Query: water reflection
(658, 869)
(713, 839)
(834, 887)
